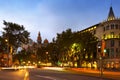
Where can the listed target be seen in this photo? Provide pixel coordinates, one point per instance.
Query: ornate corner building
(108, 33)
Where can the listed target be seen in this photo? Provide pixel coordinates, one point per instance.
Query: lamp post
(100, 58)
(6, 40)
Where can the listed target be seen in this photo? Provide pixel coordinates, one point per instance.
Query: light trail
(26, 75)
(54, 68)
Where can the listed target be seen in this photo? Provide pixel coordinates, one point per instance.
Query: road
(12, 75)
(45, 74)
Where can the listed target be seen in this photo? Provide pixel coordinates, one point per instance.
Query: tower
(39, 40)
(111, 15)
(46, 42)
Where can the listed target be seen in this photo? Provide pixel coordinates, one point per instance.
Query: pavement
(115, 75)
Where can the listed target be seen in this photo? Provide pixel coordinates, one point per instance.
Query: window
(116, 50)
(116, 26)
(119, 43)
(112, 26)
(112, 43)
(103, 28)
(112, 34)
(104, 36)
(119, 35)
(108, 52)
(112, 52)
(94, 31)
(107, 27)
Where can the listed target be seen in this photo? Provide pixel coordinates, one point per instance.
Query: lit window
(112, 34)
(89, 29)
(91, 56)
(94, 27)
(104, 36)
(86, 56)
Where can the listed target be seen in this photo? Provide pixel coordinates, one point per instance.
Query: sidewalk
(92, 72)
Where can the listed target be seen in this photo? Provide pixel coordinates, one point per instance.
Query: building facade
(108, 34)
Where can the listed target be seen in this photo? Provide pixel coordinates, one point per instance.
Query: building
(3, 59)
(39, 41)
(108, 33)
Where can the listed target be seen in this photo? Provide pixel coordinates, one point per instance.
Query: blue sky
(54, 16)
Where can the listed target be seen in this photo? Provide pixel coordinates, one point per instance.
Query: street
(12, 75)
(44, 74)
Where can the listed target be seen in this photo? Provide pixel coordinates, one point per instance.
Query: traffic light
(99, 48)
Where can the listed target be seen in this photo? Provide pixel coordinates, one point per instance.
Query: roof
(111, 15)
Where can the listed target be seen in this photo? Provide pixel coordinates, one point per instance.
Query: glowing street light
(6, 40)
(100, 57)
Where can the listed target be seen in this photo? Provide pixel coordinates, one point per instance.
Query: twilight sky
(54, 16)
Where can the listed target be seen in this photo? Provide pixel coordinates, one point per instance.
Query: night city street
(59, 39)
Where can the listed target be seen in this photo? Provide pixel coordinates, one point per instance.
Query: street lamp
(100, 58)
(6, 40)
(46, 57)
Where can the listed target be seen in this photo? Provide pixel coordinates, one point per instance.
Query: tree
(74, 46)
(15, 34)
(87, 48)
(53, 51)
(3, 45)
(64, 41)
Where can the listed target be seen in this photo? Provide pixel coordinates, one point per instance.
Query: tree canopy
(15, 34)
(76, 44)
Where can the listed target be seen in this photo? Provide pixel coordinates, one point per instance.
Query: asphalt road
(44, 74)
(12, 75)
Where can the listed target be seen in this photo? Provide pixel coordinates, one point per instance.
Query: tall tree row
(75, 46)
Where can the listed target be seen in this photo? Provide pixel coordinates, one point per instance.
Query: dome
(46, 41)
